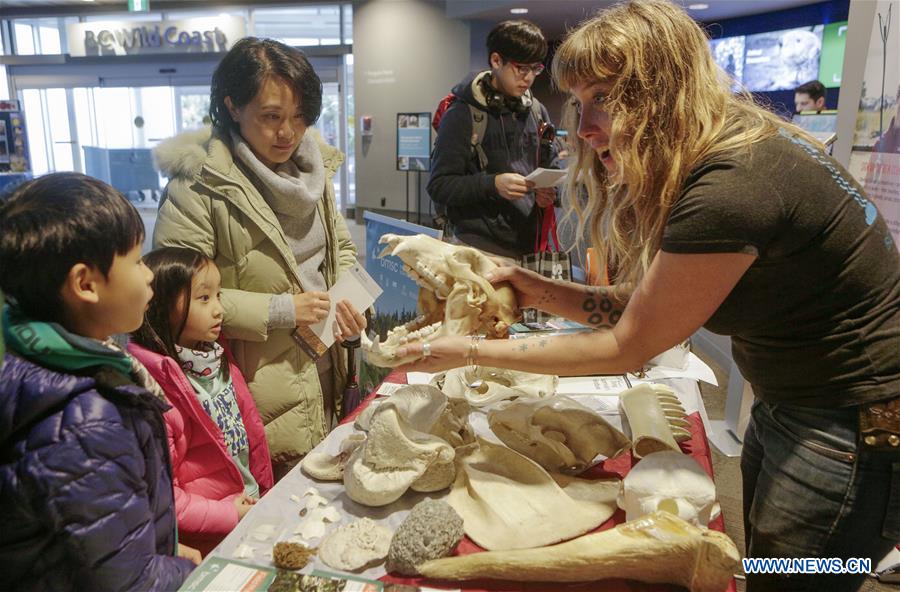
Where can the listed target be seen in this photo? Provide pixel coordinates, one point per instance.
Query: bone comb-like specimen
(659, 548)
(558, 433)
(454, 297)
(656, 417)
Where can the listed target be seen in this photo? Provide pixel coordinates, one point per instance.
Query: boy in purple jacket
(85, 478)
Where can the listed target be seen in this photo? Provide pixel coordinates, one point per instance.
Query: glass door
(191, 107)
(51, 137)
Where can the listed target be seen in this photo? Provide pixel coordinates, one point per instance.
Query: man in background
(480, 186)
(809, 97)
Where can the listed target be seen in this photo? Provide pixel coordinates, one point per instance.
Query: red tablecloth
(697, 447)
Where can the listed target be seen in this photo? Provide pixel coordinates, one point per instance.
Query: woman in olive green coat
(255, 194)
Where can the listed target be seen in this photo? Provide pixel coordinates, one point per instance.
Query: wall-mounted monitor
(834, 38)
(782, 60)
(729, 55)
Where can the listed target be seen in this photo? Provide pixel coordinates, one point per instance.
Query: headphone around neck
(496, 100)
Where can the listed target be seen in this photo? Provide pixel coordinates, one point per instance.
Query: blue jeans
(811, 490)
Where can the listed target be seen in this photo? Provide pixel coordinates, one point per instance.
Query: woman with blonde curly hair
(709, 211)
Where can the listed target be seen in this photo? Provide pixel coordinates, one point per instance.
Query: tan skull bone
(454, 296)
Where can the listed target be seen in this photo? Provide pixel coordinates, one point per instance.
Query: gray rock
(431, 531)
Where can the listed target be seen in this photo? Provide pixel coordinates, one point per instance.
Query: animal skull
(497, 384)
(558, 433)
(672, 482)
(454, 297)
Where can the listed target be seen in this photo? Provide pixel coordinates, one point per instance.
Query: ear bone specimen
(659, 548)
(454, 298)
(657, 419)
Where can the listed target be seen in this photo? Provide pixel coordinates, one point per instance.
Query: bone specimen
(326, 467)
(669, 481)
(507, 501)
(400, 452)
(498, 384)
(659, 548)
(656, 417)
(356, 546)
(559, 433)
(454, 297)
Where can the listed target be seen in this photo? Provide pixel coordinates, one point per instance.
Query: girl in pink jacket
(217, 442)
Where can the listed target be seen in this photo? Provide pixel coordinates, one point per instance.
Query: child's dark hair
(517, 40)
(173, 270)
(245, 68)
(54, 222)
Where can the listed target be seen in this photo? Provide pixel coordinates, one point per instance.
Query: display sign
(875, 156)
(119, 38)
(400, 292)
(414, 141)
(397, 303)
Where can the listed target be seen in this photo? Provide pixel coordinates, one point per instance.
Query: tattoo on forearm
(544, 299)
(603, 311)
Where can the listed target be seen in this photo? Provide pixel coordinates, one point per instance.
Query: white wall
(407, 57)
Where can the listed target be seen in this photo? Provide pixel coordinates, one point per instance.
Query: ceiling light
(519, 10)
(698, 6)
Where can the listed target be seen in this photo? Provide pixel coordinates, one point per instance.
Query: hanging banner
(875, 155)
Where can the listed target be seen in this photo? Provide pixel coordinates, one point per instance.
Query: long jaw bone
(447, 303)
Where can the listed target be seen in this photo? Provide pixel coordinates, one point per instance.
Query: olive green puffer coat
(211, 206)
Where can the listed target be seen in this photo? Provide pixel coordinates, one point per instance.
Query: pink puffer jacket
(205, 478)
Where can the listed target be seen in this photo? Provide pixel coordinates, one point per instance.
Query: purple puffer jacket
(85, 485)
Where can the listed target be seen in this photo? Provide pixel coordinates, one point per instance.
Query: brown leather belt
(879, 424)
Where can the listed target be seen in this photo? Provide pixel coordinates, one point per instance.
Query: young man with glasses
(478, 183)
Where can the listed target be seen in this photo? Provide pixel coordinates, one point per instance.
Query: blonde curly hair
(670, 108)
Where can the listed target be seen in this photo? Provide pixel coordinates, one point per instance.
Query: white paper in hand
(546, 177)
(354, 285)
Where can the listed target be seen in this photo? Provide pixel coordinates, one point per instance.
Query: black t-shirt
(815, 320)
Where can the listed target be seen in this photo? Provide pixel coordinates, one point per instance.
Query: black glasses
(523, 70)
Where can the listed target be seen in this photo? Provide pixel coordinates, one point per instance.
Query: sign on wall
(414, 141)
(120, 38)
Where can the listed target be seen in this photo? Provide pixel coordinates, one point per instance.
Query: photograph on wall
(782, 60)
(414, 142)
(729, 55)
(875, 156)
